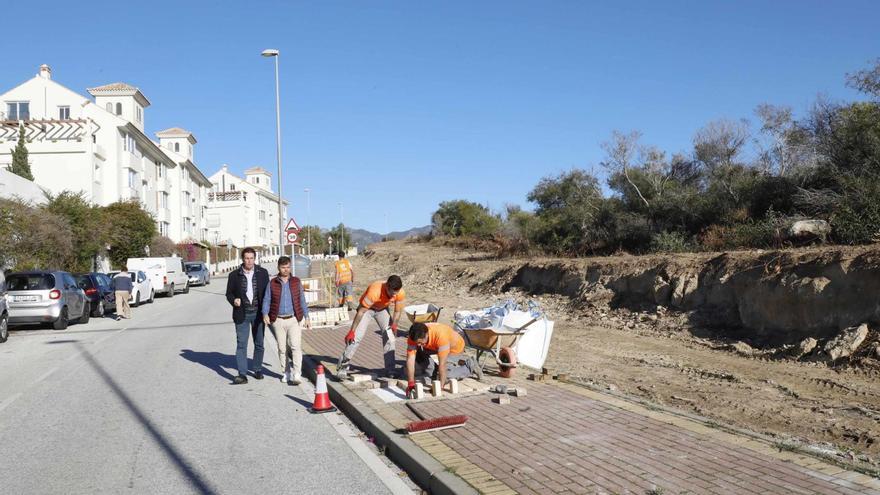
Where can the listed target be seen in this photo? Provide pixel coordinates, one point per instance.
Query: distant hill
(365, 237)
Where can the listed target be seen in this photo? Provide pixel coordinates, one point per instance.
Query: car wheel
(152, 295)
(207, 280)
(137, 300)
(62, 321)
(86, 314)
(98, 312)
(4, 328)
(186, 288)
(171, 291)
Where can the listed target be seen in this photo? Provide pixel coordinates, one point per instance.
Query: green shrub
(670, 242)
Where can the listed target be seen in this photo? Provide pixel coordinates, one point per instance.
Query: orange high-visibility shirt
(442, 339)
(343, 271)
(376, 299)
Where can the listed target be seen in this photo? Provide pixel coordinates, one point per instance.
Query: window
(160, 170)
(163, 228)
(263, 232)
(18, 110)
(63, 113)
(139, 113)
(132, 178)
(119, 109)
(109, 107)
(232, 187)
(177, 147)
(163, 200)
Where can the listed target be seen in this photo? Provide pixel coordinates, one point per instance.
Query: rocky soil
(780, 343)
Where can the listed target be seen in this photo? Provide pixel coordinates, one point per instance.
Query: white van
(167, 275)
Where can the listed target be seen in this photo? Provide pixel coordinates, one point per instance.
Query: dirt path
(666, 364)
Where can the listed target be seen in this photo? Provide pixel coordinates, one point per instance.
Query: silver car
(4, 310)
(46, 297)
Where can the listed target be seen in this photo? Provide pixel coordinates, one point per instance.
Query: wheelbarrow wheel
(507, 356)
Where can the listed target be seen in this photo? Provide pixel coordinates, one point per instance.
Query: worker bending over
(426, 339)
(374, 306)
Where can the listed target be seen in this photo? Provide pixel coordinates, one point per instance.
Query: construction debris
(361, 377)
(501, 399)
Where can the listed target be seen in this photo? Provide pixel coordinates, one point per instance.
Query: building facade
(244, 210)
(99, 147)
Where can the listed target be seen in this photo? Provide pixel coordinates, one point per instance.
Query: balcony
(163, 215)
(227, 196)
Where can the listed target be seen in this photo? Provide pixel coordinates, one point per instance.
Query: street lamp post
(341, 228)
(308, 216)
(276, 55)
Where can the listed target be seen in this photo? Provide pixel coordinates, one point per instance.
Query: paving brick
(564, 439)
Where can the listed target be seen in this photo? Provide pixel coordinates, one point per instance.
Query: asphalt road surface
(146, 406)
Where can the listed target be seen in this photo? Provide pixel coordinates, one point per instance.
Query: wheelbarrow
(499, 343)
(422, 313)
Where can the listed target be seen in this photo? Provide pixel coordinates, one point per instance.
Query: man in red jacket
(285, 310)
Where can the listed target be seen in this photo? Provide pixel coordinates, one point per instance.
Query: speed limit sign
(291, 237)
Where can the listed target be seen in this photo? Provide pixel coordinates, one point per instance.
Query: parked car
(99, 292)
(142, 288)
(46, 297)
(198, 273)
(4, 310)
(166, 274)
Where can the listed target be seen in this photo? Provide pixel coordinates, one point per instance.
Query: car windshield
(193, 268)
(84, 281)
(36, 281)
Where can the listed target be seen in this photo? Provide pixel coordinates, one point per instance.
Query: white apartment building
(244, 211)
(98, 147)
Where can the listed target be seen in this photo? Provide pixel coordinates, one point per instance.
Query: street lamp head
(271, 52)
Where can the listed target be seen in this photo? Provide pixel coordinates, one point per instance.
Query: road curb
(426, 471)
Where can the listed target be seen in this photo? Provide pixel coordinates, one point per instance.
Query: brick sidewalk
(563, 438)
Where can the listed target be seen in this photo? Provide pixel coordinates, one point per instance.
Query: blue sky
(396, 106)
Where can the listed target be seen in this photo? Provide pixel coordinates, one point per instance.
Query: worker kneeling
(426, 339)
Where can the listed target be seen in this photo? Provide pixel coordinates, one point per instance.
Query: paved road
(146, 406)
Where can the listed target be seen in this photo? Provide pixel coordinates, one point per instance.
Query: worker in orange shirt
(374, 305)
(426, 339)
(344, 281)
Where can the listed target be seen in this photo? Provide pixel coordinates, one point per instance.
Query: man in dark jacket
(244, 291)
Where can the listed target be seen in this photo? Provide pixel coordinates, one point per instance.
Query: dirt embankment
(725, 336)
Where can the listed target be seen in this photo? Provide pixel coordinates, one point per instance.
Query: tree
(33, 238)
(314, 237)
(787, 149)
(162, 246)
(87, 227)
(866, 80)
(20, 165)
(621, 152)
(465, 218)
(569, 207)
(336, 232)
(131, 230)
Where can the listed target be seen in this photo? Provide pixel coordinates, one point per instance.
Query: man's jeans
(382, 318)
(255, 326)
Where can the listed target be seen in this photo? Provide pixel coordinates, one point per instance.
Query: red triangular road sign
(292, 226)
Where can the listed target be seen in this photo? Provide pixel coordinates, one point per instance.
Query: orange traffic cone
(322, 397)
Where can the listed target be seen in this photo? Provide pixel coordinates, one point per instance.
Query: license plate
(25, 298)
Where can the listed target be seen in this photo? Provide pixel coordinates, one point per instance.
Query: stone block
(562, 376)
(501, 399)
(518, 392)
(436, 388)
(419, 391)
(371, 384)
(453, 387)
(361, 377)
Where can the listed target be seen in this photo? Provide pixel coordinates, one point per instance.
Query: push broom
(433, 424)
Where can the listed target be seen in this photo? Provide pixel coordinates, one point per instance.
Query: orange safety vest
(343, 272)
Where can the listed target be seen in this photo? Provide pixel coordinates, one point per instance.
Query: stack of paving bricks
(330, 317)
